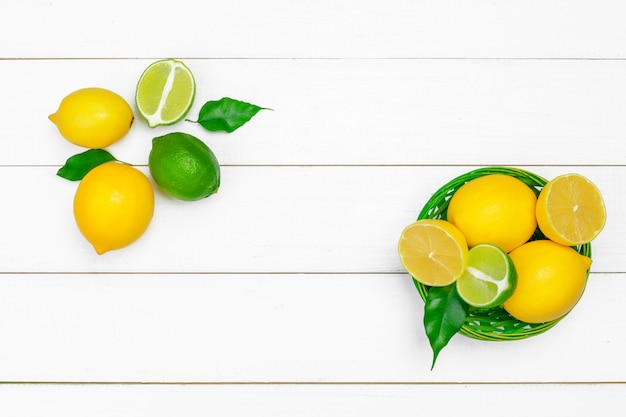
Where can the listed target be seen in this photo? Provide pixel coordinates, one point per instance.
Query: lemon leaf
(444, 314)
(77, 166)
(226, 114)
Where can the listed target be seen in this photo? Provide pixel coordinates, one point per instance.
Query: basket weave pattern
(495, 323)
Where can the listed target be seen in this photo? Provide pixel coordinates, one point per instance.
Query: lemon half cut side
(433, 252)
(571, 210)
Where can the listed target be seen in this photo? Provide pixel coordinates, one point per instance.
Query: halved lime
(489, 278)
(165, 92)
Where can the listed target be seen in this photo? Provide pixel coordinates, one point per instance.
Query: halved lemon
(570, 210)
(433, 252)
(165, 92)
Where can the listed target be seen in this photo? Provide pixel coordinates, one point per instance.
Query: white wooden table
(283, 294)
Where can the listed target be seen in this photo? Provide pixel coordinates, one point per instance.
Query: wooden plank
(283, 294)
(279, 328)
(324, 28)
(415, 112)
(268, 219)
(307, 400)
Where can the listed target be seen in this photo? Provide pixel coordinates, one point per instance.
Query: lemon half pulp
(433, 252)
(571, 210)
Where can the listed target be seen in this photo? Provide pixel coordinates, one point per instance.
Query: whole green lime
(183, 166)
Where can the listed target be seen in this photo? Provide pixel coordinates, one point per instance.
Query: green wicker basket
(493, 324)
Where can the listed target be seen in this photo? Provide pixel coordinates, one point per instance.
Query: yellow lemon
(551, 279)
(113, 206)
(93, 117)
(496, 209)
(433, 252)
(570, 210)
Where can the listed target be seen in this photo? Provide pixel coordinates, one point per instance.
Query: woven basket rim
(494, 324)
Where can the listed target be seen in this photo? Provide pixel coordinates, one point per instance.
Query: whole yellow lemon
(113, 206)
(496, 209)
(551, 279)
(93, 117)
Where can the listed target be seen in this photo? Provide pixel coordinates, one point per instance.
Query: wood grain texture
(353, 112)
(266, 219)
(283, 294)
(302, 328)
(319, 29)
(305, 400)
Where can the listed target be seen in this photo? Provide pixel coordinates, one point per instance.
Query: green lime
(489, 278)
(165, 92)
(183, 166)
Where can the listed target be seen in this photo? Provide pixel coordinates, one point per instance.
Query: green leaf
(226, 114)
(444, 314)
(77, 166)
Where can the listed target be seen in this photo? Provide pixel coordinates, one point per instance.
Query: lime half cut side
(165, 92)
(489, 278)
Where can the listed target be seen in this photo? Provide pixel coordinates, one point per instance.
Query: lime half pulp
(489, 278)
(165, 92)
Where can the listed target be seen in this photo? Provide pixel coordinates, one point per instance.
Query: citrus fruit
(113, 206)
(489, 278)
(183, 166)
(551, 279)
(495, 208)
(165, 92)
(93, 117)
(570, 210)
(433, 252)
